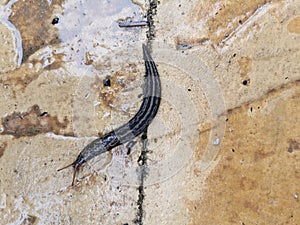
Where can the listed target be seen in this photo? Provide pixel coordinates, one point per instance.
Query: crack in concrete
(150, 13)
(142, 161)
(142, 174)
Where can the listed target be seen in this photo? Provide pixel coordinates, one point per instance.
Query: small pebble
(106, 81)
(55, 21)
(245, 82)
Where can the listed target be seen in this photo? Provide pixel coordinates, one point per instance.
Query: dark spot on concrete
(32, 123)
(245, 82)
(55, 21)
(115, 84)
(106, 81)
(44, 114)
(293, 145)
(2, 148)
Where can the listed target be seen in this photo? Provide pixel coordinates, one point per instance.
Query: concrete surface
(223, 149)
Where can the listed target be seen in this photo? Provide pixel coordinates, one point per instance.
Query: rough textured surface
(35, 35)
(256, 175)
(8, 55)
(223, 149)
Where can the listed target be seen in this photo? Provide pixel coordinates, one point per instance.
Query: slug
(135, 126)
